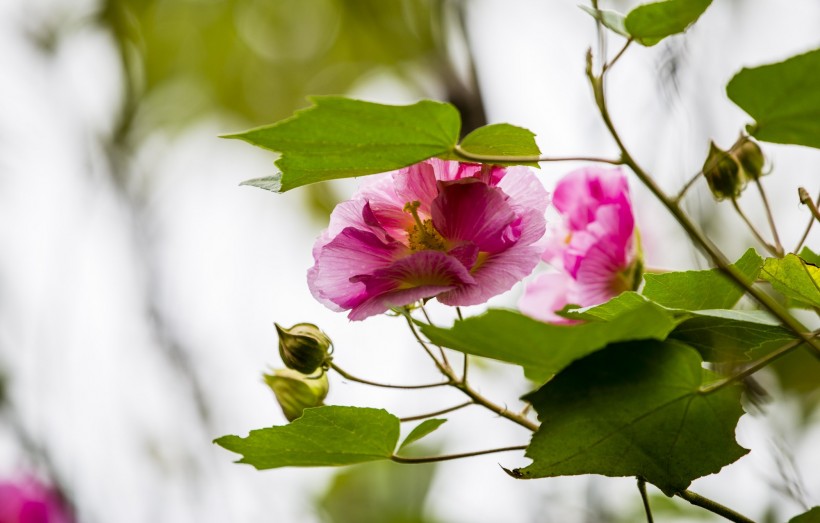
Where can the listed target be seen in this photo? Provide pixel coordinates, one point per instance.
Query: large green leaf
(544, 349)
(338, 138)
(795, 279)
(634, 409)
(724, 339)
(650, 23)
(695, 290)
(323, 436)
(499, 140)
(812, 516)
(783, 98)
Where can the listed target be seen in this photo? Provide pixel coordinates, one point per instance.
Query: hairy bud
(303, 347)
(296, 392)
(723, 173)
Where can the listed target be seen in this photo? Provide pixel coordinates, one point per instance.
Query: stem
(703, 243)
(645, 499)
(500, 159)
(751, 369)
(712, 506)
(688, 185)
(769, 247)
(436, 413)
(805, 199)
(350, 377)
(770, 217)
(466, 389)
(448, 457)
(617, 56)
(440, 348)
(466, 356)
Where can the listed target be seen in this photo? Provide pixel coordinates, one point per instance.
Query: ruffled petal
(546, 294)
(579, 194)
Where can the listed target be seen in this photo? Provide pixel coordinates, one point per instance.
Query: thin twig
(769, 216)
(350, 377)
(438, 412)
(501, 159)
(448, 457)
(617, 56)
(645, 499)
(688, 185)
(465, 367)
(444, 359)
(805, 199)
(769, 247)
(713, 506)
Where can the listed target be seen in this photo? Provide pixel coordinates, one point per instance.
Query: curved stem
(688, 185)
(702, 242)
(617, 56)
(466, 389)
(444, 360)
(770, 217)
(805, 199)
(713, 506)
(448, 457)
(436, 413)
(769, 247)
(350, 377)
(501, 159)
(645, 499)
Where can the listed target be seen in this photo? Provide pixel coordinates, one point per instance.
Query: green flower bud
(723, 174)
(303, 347)
(750, 158)
(296, 392)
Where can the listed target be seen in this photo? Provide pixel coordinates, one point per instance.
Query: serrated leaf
(812, 516)
(724, 339)
(810, 256)
(499, 140)
(648, 24)
(696, 290)
(794, 278)
(422, 429)
(269, 183)
(634, 409)
(323, 436)
(339, 138)
(544, 349)
(782, 98)
(610, 19)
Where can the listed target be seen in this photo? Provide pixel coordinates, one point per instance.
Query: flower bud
(296, 392)
(303, 347)
(722, 173)
(750, 158)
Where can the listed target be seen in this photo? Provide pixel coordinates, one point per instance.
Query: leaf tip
(269, 183)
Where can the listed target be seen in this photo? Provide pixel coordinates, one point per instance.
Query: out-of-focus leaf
(544, 349)
(323, 436)
(696, 290)
(782, 98)
(610, 19)
(421, 430)
(339, 138)
(634, 409)
(795, 279)
(723, 339)
(812, 516)
(648, 24)
(810, 256)
(499, 140)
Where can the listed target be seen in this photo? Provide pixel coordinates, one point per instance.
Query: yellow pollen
(422, 236)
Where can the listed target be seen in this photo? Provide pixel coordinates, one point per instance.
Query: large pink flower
(458, 231)
(26, 500)
(595, 248)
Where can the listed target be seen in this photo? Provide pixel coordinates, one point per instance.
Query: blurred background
(139, 284)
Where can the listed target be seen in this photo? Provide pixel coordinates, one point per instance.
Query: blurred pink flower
(26, 500)
(595, 248)
(458, 231)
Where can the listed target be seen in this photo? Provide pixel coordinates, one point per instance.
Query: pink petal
(579, 194)
(546, 294)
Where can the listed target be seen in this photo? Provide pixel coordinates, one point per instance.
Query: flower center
(422, 235)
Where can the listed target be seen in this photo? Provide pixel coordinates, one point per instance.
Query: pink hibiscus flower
(29, 501)
(595, 249)
(458, 231)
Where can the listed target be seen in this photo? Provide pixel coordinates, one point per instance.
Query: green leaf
(650, 23)
(782, 98)
(620, 304)
(810, 256)
(724, 339)
(695, 290)
(544, 349)
(499, 140)
(610, 19)
(795, 279)
(634, 410)
(812, 516)
(422, 429)
(269, 183)
(323, 436)
(339, 138)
